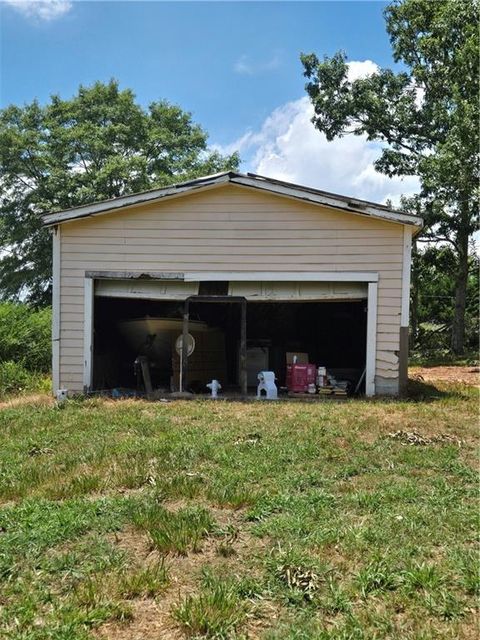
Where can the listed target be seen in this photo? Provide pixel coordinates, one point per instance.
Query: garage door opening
(125, 329)
(333, 334)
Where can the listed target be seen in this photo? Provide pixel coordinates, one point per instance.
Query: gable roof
(250, 180)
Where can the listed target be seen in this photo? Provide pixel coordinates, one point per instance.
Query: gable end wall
(230, 228)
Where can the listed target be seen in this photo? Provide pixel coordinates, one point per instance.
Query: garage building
(254, 269)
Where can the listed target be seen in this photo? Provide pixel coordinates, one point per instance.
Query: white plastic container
(266, 384)
(61, 395)
(321, 376)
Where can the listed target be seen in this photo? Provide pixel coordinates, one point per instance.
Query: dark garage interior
(332, 334)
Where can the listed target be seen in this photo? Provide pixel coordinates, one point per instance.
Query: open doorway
(125, 329)
(332, 334)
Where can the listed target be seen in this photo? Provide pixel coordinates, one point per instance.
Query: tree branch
(438, 239)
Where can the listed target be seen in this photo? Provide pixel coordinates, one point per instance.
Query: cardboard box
(302, 358)
(300, 376)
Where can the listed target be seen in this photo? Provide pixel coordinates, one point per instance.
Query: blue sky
(234, 65)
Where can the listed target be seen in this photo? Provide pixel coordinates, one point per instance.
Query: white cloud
(41, 9)
(361, 69)
(288, 147)
(246, 66)
(419, 96)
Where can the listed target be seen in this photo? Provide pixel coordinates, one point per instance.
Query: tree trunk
(461, 279)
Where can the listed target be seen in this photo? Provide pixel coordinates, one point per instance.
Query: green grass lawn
(286, 520)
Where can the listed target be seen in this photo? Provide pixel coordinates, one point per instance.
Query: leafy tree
(100, 144)
(426, 116)
(433, 300)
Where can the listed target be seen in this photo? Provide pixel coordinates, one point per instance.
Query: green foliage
(433, 301)
(97, 604)
(25, 348)
(99, 144)
(426, 116)
(15, 379)
(25, 336)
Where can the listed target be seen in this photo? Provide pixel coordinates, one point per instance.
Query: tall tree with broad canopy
(426, 116)
(98, 145)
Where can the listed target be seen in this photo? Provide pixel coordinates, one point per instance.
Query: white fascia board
(98, 208)
(328, 201)
(282, 276)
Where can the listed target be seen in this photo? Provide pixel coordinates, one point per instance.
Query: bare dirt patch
(468, 628)
(452, 374)
(151, 620)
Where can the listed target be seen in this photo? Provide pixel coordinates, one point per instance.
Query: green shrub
(14, 379)
(25, 336)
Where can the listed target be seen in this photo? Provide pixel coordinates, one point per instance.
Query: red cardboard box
(299, 376)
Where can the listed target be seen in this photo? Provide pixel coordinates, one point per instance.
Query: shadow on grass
(420, 391)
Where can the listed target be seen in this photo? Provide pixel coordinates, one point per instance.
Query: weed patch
(173, 532)
(216, 612)
(144, 582)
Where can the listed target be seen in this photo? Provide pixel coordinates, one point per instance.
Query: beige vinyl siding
(229, 228)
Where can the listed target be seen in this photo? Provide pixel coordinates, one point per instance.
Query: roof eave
(329, 200)
(106, 206)
(313, 196)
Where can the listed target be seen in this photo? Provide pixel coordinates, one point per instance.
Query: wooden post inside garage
(243, 335)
